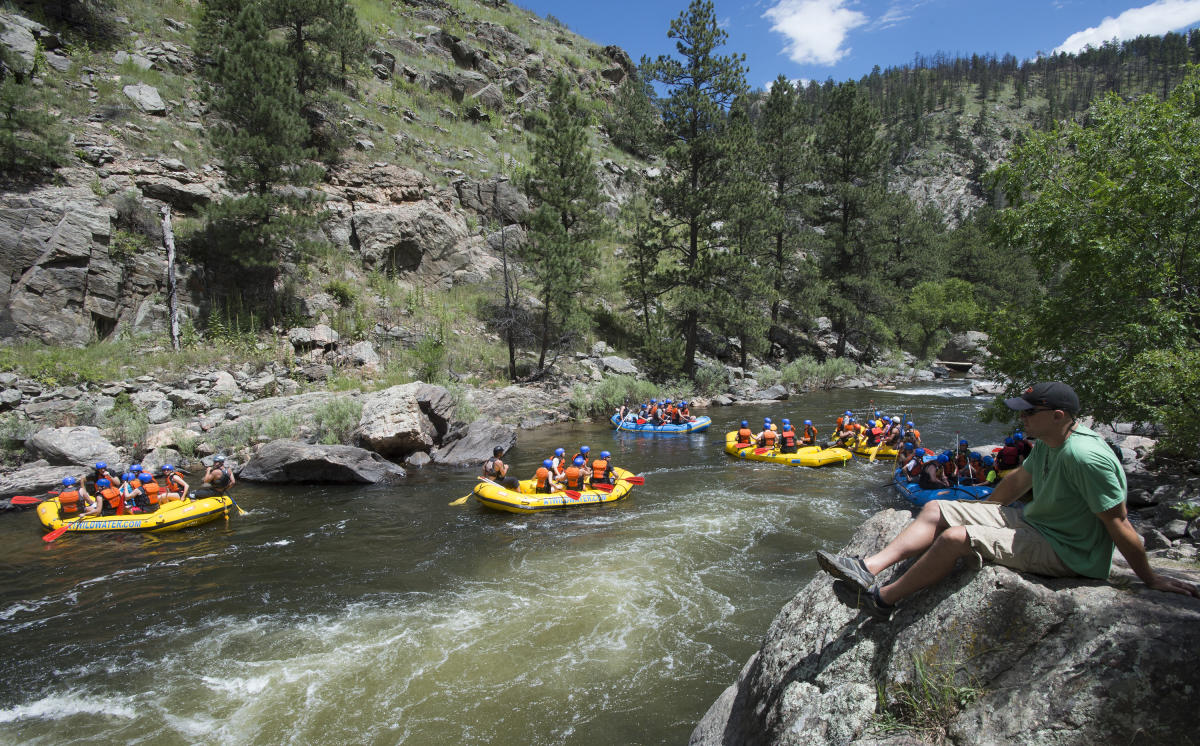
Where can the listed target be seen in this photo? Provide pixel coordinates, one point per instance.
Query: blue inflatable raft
(631, 426)
(917, 496)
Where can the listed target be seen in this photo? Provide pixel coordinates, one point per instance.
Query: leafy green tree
(934, 310)
(850, 166)
(323, 39)
(690, 191)
(1108, 212)
(565, 223)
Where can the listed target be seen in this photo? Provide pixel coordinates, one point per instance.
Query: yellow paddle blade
(462, 499)
(874, 452)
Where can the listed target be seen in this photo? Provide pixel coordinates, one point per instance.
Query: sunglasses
(1035, 410)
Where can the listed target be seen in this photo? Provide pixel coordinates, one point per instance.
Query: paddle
(462, 499)
(25, 500)
(634, 480)
(874, 453)
(239, 507)
(60, 531)
(602, 486)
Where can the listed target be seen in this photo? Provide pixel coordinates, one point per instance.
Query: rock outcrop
(406, 418)
(1029, 660)
(290, 461)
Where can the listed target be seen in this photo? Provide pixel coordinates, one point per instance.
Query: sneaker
(871, 603)
(850, 569)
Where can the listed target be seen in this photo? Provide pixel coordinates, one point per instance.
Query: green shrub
(126, 423)
(336, 420)
(833, 369)
(800, 372)
(430, 354)
(345, 293)
(710, 380)
(278, 426)
(601, 399)
(767, 376)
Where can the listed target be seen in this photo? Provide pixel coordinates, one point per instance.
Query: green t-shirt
(1071, 484)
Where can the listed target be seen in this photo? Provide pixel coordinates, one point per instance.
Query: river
(383, 615)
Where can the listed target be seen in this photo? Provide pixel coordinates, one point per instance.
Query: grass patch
(126, 423)
(927, 703)
(336, 420)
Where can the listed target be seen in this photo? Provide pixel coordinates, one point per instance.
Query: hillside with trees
(478, 193)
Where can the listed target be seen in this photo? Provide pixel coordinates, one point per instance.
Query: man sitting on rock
(1070, 529)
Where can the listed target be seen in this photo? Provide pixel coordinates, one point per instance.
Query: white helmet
(896, 419)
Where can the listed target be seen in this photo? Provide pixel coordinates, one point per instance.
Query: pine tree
(323, 40)
(689, 193)
(31, 141)
(851, 169)
(565, 224)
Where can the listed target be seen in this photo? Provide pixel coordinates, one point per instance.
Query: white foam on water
(945, 392)
(68, 704)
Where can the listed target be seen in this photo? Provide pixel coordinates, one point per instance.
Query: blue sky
(844, 39)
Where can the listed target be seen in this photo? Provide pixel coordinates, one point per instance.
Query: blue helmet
(943, 458)
(908, 446)
(578, 461)
(584, 450)
(167, 468)
(127, 477)
(654, 401)
(787, 421)
(988, 460)
(137, 468)
(848, 413)
(766, 420)
(559, 452)
(101, 465)
(605, 455)
(787, 428)
(808, 422)
(69, 481)
(745, 424)
(908, 424)
(145, 477)
(1009, 441)
(919, 452)
(876, 412)
(1018, 435)
(975, 456)
(548, 464)
(683, 404)
(102, 483)
(963, 442)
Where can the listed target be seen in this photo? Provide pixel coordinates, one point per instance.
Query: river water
(383, 615)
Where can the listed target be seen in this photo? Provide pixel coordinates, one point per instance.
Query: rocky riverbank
(988, 656)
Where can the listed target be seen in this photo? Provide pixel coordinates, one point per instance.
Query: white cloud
(893, 17)
(794, 82)
(1156, 18)
(815, 29)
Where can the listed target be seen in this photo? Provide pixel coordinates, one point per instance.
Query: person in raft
(544, 481)
(175, 488)
(1076, 519)
(218, 477)
(496, 470)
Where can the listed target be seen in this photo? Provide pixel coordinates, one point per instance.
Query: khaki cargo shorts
(1000, 534)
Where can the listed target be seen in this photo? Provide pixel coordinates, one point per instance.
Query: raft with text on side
(526, 500)
(171, 516)
(812, 456)
(917, 496)
(631, 425)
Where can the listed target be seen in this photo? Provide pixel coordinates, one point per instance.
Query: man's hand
(1171, 585)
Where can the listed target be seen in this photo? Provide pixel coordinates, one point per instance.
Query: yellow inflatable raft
(171, 516)
(525, 500)
(806, 456)
(885, 452)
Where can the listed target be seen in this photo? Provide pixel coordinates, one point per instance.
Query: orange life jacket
(151, 490)
(599, 470)
(744, 436)
(543, 479)
(69, 502)
(652, 411)
(838, 426)
(810, 433)
(788, 438)
(768, 438)
(574, 477)
(112, 497)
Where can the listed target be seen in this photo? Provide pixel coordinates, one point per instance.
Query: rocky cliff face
(989, 656)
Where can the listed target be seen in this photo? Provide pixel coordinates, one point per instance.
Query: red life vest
(112, 498)
(768, 438)
(1009, 457)
(151, 490)
(69, 502)
(600, 470)
(744, 436)
(574, 477)
(788, 438)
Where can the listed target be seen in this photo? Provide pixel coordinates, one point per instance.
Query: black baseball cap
(1053, 394)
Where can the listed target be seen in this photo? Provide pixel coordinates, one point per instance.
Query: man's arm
(1015, 484)
(1129, 544)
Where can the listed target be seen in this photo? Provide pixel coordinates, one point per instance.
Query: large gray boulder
(423, 239)
(66, 446)
(146, 98)
(36, 479)
(1051, 661)
(476, 442)
(495, 198)
(290, 461)
(406, 418)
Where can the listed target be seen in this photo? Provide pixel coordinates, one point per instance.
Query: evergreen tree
(565, 224)
(632, 120)
(700, 88)
(323, 39)
(850, 168)
(31, 141)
